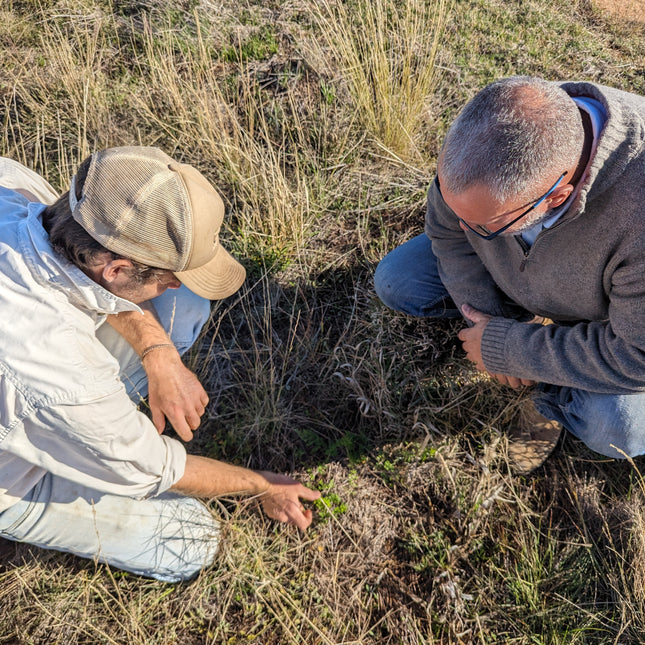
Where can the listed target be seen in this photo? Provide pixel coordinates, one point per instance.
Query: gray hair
(510, 136)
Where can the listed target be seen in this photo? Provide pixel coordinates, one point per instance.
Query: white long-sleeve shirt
(63, 408)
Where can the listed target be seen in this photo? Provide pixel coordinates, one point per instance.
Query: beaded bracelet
(147, 350)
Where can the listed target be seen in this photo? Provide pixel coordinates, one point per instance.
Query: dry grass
(254, 141)
(385, 54)
(630, 10)
(320, 124)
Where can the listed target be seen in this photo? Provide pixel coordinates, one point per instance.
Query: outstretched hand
(174, 392)
(282, 500)
(471, 339)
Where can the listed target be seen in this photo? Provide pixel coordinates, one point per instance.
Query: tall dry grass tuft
(64, 86)
(623, 556)
(386, 53)
(267, 344)
(251, 143)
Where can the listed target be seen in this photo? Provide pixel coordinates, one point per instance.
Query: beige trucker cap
(139, 203)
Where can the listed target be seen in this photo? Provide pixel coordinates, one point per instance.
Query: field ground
(320, 123)
(630, 10)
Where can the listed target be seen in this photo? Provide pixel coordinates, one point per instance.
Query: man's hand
(282, 500)
(512, 381)
(279, 495)
(471, 338)
(174, 392)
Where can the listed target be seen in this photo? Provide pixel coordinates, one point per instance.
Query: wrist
(263, 483)
(156, 350)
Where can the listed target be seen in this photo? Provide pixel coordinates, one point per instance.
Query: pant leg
(610, 424)
(182, 314)
(169, 537)
(407, 279)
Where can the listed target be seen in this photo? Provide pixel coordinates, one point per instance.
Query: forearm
(460, 269)
(141, 331)
(206, 477)
(175, 392)
(279, 495)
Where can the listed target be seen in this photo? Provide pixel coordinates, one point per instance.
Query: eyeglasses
(485, 234)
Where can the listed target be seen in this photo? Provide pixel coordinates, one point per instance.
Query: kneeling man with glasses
(536, 216)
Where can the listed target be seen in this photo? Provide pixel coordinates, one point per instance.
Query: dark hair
(69, 239)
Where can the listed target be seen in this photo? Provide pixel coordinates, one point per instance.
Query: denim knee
(384, 284)
(407, 280)
(182, 314)
(612, 425)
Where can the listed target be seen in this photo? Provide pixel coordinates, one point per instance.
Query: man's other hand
(471, 339)
(282, 500)
(512, 381)
(174, 392)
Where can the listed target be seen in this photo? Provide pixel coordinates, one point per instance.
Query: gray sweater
(586, 272)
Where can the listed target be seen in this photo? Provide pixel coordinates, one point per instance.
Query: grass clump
(385, 53)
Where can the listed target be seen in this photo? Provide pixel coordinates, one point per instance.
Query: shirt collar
(598, 116)
(50, 269)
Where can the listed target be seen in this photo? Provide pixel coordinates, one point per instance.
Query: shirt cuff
(174, 468)
(494, 344)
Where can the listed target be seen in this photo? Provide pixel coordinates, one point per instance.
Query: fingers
(158, 419)
(182, 429)
(473, 314)
(512, 381)
(193, 419)
(468, 312)
(176, 394)
(308, 494)
(297, 516)
(283, 504)
(185, 420)
(183, 425)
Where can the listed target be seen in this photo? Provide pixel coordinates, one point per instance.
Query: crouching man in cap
(101, 291)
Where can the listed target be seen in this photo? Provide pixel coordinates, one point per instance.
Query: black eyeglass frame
(491, 236)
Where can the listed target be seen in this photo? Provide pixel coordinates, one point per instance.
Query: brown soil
(632, 10)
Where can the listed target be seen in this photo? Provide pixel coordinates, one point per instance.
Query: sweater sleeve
(600, 356)
(460, 268)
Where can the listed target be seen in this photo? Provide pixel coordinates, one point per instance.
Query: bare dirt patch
(631, 10)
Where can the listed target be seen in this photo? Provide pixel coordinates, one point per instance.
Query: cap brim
(217, 279)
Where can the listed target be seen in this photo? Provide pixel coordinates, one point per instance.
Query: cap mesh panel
(137, 207)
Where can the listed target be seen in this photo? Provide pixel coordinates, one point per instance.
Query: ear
(559, 196)
(113, 270)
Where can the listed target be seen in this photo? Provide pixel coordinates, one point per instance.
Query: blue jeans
(407, 280)
(169, 537)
